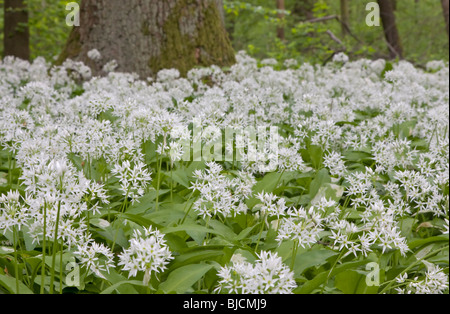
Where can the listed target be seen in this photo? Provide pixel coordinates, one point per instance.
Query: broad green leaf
(353, 282)
(441, 238)
(305, 260)
(181, 279)
(321, 278)
(116, 286)
(9, 283)
(322, 177)
(119, 283)
(194, 257)
(191, 227)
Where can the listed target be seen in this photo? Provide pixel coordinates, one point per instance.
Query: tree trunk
(445, 9)
(16, 39)
(345, 17)
(390, 28)
(145, 36)
(303, 10)
(280, 28)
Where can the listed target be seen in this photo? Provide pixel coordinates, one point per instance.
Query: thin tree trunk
(16, 39)
(280, 28)
(147, 36)
(345, 17)
(303, 10)
(445, 9)
(390, 28)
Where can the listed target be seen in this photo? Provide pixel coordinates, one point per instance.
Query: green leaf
(118, 282)
(330, 192)
(194, 257)
(191, 227)
(9, 283)
(321, 178)
(115, 286)
(311, 258)
(353, 282)
(441, 238)
(321, 278)
(181, 279)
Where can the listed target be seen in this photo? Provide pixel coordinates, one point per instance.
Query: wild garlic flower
(147, 252)
(95, 257)
(134, 178)
(220, 194)
(267, 275)
(271, 205)
(300, 225)
(13, 214)
(434, 282)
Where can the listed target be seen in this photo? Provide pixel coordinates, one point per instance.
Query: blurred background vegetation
(253, 26)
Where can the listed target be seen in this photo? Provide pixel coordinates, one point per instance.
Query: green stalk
(158, 183)
(190, 207)
(55, 245)
(16, 264)
(294, 254)
(44, 244)
(260, 232)
(60, 267)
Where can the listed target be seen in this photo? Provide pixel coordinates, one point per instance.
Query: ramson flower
(267, 275)
(147, 252)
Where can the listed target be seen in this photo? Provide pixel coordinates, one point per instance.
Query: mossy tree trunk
(145, 36)
(16, 39)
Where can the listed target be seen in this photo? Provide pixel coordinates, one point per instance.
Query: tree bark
(146, 36)
(16, 39)
(280, 28)
(390, 29)
(445, 6)
(345, 17)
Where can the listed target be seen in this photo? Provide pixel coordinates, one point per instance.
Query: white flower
(148, 253)
(268, 275)
(94, 55)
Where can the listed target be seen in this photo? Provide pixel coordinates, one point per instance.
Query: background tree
(445, 9)
(345, 17)
(16, 39)
(303, 10)
(280, 28)
(147, 36)
(390, 28)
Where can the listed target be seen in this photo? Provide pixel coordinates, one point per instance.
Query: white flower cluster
(301, 226)
(435, 282)
(133, 179)
(220, 194)
(267, 275)
(147, 252)
(384, 137)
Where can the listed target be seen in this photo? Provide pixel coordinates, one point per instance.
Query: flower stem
(55, 246)
(16, 264)
(44, 244)
(158, 183)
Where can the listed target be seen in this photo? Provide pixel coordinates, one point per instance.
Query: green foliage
(252, 27)
(47, 24)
